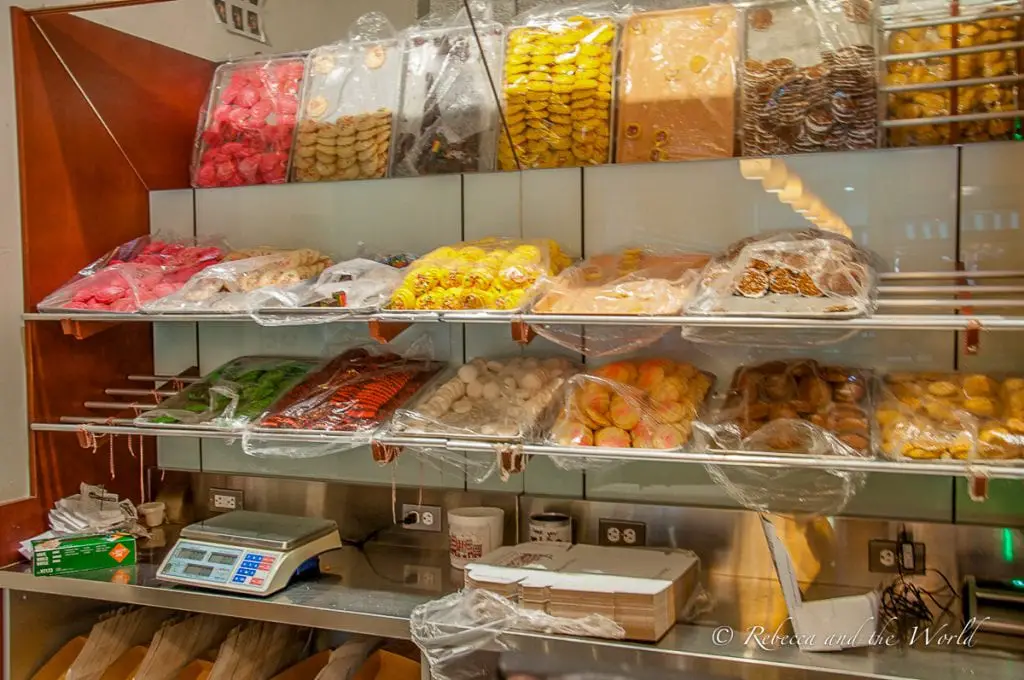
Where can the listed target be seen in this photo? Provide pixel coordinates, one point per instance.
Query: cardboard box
(69, 554)
(643, 590)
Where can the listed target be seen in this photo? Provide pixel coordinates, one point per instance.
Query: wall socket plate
(428, 517)
(621, 533)
(886, 557)
(422, 577)
(226, 500)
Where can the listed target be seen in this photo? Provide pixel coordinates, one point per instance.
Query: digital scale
(252, 553)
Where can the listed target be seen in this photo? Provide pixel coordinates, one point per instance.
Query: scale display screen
(190, 554)
(198, 570)
(222, 558)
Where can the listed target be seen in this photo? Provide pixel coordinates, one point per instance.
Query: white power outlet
(421, 517)
(225, 500)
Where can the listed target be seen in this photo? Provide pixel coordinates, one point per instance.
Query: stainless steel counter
(375, 592)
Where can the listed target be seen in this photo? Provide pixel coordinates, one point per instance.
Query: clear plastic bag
(559, 76)
(245, 132)
(350, 287)
(240, 282)
(448, 120)
(504, 399)
(928, 416)
(971, 29)
(640, 403)
(353, 394)
(491, 273)
(452, 631)
(806, 273)
(142, 270)
(677, 85)
(798, 407)
(233, 395)
(348, 105)
(809, 78)
(631, 282)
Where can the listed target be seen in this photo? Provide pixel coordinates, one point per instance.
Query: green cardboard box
(55, 556)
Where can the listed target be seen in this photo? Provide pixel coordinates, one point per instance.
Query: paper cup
(474, 532)
(152, 513)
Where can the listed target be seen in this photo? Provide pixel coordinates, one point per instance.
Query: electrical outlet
(421, 577)
(621, 533)
(887, 557)
(226, 500)
(421, 517)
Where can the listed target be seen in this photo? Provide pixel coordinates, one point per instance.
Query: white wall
(187, 25)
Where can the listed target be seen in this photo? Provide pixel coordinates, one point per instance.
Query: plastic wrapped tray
(356, 391)
(348, 107)
(799, 407)
(246, 131)
(570, 105)
(971, 29)
(232, 396)
(928, 416)
(809, 78)
(501, 399)
(677, 97)
(807, 273)
(448, 120)
(490, 274)
(640, 403)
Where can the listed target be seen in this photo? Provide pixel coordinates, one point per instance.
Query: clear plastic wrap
(240, 282)
(927, 416)
(806, 273)
(355, 394)
(456, 631)
(809, 78)
(640, 403)
(973, 29)
(502, 399)
(558, 87)
(133, 274)
(677, 85)
(245, 132)
(348, 105)
(448, 121)
(631, 282)
(350, 287)
(233, 395)
(798, 407)
(491, 273)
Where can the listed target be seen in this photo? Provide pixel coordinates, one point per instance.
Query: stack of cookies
(829, 106)
(353, 147)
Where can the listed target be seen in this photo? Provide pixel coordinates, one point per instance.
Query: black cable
(905, 605)
(490, 80)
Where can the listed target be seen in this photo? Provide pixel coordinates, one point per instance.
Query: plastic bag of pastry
(495, 274)
(233, 395)
(137, 272)
(448, 119)
(558, 86)
(808, 78)
(356, 286)
(230, 285)
(647, 403)
(245, 131)
(809, 273)
(500, 399)
(631, 282)
(458, 633)
(394, 449)
(973, 28)
(677, 85)
(348, 105)
(797, 407)
(928, 416)
(341, 405)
